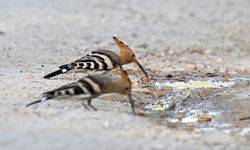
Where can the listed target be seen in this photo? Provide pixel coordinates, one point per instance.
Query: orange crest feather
(120, 44)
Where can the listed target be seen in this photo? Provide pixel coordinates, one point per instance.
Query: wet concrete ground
(177, 42)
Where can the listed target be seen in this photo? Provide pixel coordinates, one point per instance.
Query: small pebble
(204, 118)
(169, 76)
(145, 79)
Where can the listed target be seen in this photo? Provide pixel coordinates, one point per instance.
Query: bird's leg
(84, 105)
(89, 104)
(132, 104)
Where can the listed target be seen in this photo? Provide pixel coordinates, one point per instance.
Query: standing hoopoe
(101, 60)
(91, 87)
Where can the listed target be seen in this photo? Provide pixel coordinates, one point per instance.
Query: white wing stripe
(106, 60)
(92, 65)
(85, 90)
(95, 86)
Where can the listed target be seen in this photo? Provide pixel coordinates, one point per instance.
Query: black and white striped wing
(96, 60)
(67, 90)
(87, 87)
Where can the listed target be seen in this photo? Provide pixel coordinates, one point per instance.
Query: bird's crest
(120, 44)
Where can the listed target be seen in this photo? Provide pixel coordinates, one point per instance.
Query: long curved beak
(143, 70)
(132, 104)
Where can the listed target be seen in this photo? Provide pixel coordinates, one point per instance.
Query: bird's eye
(127, 88)
(133, 55)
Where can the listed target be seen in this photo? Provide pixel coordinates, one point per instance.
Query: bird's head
(127, 55)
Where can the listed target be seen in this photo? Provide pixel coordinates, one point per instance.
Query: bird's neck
(114, 87)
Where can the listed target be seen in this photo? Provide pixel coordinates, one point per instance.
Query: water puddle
(204, 113)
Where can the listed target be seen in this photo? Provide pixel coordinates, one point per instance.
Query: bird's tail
(63, 69)
(44, 98)
(32, 103)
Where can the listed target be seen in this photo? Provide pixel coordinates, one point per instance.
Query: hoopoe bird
(101, 60)
(90, 87)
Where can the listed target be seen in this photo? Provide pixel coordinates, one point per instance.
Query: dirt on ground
(196, 52)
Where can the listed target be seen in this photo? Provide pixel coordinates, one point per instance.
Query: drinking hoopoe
(91, 87)
(101, 60)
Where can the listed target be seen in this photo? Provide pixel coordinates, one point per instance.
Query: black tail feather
(55, 73)
(63, 69)
(32, 103)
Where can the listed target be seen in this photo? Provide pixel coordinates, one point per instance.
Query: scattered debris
(169, 76)
(168, 102)
(210, 74)
(146, 79)
(158, 94)
(204, 118)
(189, 119)
(245, 118)
(194, 117)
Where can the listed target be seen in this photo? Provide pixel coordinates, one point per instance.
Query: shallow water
(196, 103)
